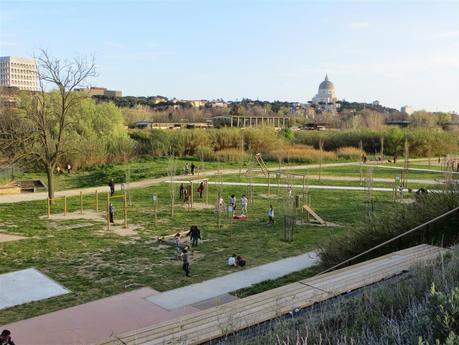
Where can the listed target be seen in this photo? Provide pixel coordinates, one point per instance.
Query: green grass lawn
(136, 170)
(95, 264)
(324, 182)
(354, 170)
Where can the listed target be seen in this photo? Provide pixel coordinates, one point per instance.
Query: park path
(213, 288)
(14, 198)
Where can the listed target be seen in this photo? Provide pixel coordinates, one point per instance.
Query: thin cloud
(359, 25)
(445, 34)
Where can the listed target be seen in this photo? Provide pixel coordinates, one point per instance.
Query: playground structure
(123, 196)
(191, 184)
(306, 210)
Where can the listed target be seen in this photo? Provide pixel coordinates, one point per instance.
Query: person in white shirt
(271, 214)
(232, 260)
(244, 202)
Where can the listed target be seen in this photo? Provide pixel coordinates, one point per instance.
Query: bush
(394, 221)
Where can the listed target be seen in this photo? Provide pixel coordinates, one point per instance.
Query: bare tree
(48, 117)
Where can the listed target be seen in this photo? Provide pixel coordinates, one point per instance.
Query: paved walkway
(213, 288)
(94, 321)
(13, 198)
(311, 186)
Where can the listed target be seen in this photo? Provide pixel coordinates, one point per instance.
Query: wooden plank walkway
(222, 320)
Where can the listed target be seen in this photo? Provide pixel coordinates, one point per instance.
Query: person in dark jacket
(195, 235)
(111, 184)
(181, 189)
(186, 263)
(192, 168)
(5, 338)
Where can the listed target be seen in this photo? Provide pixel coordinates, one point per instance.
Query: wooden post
(81, 202)
(108, 211)
(269, 184)
(304, 183)
(156, 212)
(207, 192)
(125, 211)
(49, 207)
(65, 205)
(191, 194)
(97, 201)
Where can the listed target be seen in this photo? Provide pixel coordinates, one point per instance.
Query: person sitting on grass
(240, 261)
(232, 260)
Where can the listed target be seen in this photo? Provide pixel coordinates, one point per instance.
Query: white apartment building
(18, 72)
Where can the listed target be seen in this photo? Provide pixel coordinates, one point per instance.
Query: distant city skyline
(397, 53)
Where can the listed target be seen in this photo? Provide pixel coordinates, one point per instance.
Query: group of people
(236, 260)
(189, 168)
(185, 192)
(60, 171)
(233, 204)
(182, 251)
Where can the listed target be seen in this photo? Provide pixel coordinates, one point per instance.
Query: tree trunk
(49, 172)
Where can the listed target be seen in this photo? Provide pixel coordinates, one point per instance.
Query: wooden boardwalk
(222, 320)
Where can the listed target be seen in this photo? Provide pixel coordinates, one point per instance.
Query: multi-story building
(19, 72)
(101, 91)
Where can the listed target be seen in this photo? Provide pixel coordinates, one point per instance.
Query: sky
(397, 52)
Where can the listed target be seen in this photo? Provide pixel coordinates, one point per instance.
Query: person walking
(271, 214)
(232, 203)
(111, 212)
(192, 168)
(200, 189)
(69, 167)
(244, 202)
(186, 169)
(195, 235)
(185, 263)
(59, 170)
(111, 184)
(177, 245)
(181, 190)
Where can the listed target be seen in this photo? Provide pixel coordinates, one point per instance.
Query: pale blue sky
(393, 51)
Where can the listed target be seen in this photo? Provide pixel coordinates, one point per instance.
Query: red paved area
(92, 322)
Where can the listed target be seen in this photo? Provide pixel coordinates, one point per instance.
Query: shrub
(394, 221)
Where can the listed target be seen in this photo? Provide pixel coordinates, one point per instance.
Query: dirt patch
(57, 226)
(405, 201)
(269, 196)
(119, 229)
(197, 206)
(87, 215)
(10, 238)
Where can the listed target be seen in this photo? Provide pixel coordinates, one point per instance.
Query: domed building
(326, 97)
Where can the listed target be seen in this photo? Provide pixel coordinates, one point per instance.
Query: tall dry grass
(299, 154)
